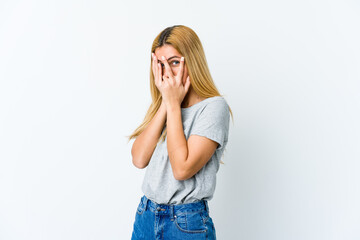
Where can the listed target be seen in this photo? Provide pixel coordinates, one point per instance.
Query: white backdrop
(74, 82)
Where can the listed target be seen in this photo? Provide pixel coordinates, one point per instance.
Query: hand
(157, 71)
(171, 87)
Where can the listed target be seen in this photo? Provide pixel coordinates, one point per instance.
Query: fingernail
(182, 59)
(163, 58)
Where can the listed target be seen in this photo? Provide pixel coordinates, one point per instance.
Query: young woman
(180, 141)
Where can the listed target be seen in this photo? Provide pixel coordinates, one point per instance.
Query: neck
(191, 98)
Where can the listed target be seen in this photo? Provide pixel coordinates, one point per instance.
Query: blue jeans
(170, 222)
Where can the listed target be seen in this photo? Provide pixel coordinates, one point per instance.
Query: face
(173, 58)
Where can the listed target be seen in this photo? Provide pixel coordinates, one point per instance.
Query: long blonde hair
(188, 44)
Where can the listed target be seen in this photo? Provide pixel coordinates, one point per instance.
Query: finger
(154, 68)
(159, 69)
(185, 74)
(179, 76)
(168, 70)
(187, 84)
(160, 75)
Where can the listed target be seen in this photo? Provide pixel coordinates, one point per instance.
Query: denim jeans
(171, 222)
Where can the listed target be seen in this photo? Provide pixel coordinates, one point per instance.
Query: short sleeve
(213, 122)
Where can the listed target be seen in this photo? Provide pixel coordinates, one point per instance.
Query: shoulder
(216, 104)
(219, 100)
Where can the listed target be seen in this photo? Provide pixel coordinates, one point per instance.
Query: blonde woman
(180, 141)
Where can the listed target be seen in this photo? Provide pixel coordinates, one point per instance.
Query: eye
(175, 62)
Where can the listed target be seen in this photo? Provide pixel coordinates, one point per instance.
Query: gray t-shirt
(209, 118)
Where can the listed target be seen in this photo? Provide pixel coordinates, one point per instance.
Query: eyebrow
(171, 58)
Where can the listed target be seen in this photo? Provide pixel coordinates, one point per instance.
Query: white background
(74, 82)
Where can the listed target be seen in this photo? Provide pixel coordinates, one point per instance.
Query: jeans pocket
(191, 222)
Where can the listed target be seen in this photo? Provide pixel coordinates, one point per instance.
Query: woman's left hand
(171, 87)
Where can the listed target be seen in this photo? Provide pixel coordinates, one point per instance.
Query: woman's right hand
(157, 71)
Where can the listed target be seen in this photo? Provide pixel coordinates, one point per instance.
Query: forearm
(144, 145)
(176, 141)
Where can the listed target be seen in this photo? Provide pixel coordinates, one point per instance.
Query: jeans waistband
(174, 209)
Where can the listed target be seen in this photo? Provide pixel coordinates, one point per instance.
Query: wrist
(162, 108)
(172, 107)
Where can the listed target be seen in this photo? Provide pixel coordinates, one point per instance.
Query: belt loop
(206, 206)
(172, 214)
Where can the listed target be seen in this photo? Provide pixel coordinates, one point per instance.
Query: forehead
(167, 51)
